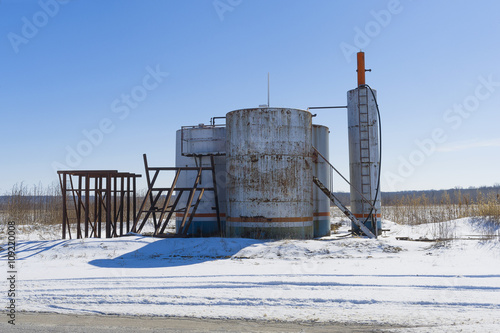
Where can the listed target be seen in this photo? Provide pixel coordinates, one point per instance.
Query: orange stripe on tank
(322, 214)
(366, 215)
(269, 219)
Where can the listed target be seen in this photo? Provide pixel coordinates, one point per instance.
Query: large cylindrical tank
(269, 165)
(194, 146)
(364, 157)
(321, 170)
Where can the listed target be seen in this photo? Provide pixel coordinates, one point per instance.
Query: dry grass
(33, 205)
(415, 210)
(39, 205)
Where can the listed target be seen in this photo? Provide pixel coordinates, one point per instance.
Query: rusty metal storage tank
(269, 180)
(364, 157)
(194, 146)
(321, 170)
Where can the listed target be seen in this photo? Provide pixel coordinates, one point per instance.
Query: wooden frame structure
(161, 215)
(90, 195)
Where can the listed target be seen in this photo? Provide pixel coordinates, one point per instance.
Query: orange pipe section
(361, 68)
(366, 215)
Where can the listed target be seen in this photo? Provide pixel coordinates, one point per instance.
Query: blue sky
(88, 84)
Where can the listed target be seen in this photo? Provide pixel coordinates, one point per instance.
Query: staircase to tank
(162, 212)
(343, 208)
(337, 202)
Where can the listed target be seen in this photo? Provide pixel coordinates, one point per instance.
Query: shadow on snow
(176, 252)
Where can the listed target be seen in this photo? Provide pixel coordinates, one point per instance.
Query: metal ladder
(365, 158)
(364, 139)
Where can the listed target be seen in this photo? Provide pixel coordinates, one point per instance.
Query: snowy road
(58, 323)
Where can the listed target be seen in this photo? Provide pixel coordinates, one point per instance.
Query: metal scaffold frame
(94, 194)
(161, 215)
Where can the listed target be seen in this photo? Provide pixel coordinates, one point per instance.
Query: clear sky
(92, 84)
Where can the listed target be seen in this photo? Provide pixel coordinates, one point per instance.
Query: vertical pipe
(98, 203)
(79, 210)
(87, 204)
(95, 206)
(108, 206)
(361, 68)
(128, 203)
(65, 213)
(122, 203)
(114, 219)
(134, 202)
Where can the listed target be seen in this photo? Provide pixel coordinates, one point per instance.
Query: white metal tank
(364, 159)
(269, 165)
(321, 170)
(194, 145)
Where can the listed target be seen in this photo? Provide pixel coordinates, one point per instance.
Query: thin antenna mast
(268, 89)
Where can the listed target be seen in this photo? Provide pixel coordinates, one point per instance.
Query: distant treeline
(456, 195)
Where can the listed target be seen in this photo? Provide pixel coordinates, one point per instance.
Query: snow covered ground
(451, 286)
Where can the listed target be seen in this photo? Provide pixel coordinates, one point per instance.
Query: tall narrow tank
(194, 145)
(269, 165)
(364, 157)
(321, 170)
